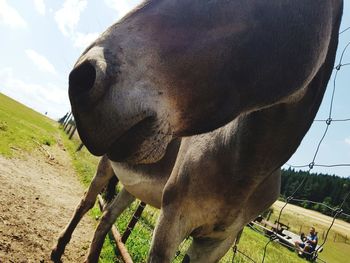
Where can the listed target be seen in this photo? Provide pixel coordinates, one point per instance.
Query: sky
(41, 40)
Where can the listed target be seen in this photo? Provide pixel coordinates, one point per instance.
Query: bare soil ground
(37, 199)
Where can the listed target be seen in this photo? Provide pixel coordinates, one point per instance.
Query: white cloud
(81, 40)
(40, 6)
(122, 6)
(40, 61)
(67, 18)
(49, 98)
(9, 16)
(347, 140)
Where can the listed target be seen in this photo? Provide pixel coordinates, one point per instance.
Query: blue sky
(41, 40)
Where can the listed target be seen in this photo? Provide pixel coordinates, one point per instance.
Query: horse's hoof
(56, 256)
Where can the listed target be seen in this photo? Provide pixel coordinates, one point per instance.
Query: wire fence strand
(312, 164)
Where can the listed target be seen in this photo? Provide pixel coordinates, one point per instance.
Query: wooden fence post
(120, 245)
(133, 221)
(66, 119)
(62, 121)
(67, 123)
(69, 129)
(72, 133)
(80, 147)
(268, 215)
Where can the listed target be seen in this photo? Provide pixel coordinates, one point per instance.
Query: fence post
(80, 147)
(72, 133)
(63, 120)
(66, 119)
(268, 215)
(133, 221)
(120, 246)
(67, 122)
(69, 129)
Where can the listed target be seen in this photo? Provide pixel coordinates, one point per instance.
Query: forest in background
(329, 190)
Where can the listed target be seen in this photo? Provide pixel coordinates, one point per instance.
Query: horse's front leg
(170, 231)
(110, 214)
(103, 175)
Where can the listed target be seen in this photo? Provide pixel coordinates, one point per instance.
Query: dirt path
(37, 198)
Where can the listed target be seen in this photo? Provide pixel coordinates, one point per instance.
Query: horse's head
(178, 68)
(149, 77)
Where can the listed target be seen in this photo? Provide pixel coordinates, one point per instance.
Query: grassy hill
(22, 129)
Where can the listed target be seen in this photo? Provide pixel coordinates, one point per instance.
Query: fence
(68, 125)
(336, 210)
(137, 233)
(134, 230)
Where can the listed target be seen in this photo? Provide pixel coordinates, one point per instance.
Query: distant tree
(323, 188)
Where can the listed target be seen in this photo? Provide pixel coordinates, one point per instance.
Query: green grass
(338, 251)
(252, 244)
(22, 129)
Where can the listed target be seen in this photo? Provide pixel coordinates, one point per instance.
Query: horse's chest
(126, 176)
(140, 185)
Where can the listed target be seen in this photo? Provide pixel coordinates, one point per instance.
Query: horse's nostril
(82, 78)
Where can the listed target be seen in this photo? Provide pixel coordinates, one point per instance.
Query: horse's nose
(82, 79)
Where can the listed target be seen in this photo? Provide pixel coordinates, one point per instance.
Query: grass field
(300, 220)
(21, 129)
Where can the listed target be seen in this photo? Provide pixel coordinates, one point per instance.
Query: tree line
(329, 190)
